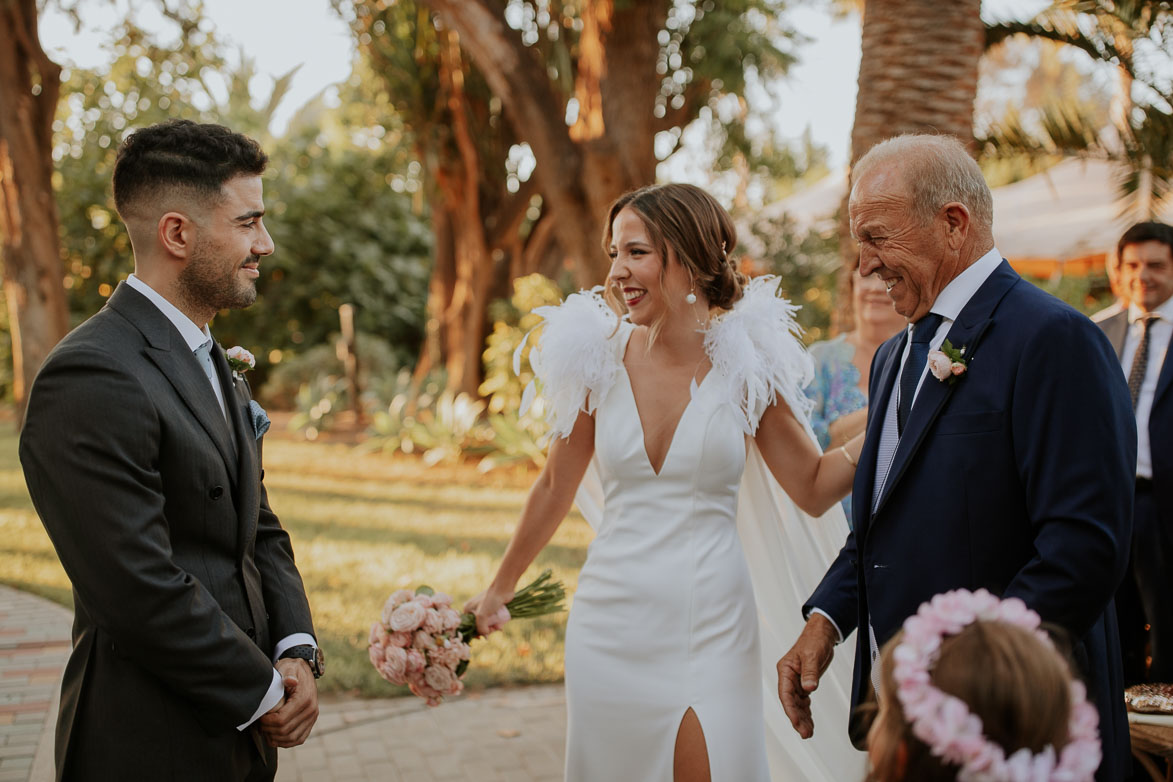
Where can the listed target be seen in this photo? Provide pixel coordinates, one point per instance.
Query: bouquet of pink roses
(422, 642)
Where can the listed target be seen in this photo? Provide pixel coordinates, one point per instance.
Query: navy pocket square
(259, 418)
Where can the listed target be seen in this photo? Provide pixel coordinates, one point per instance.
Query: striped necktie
(1140, 362)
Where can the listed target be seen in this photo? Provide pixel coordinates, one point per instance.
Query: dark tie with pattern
(918, 353)
(1140, 362)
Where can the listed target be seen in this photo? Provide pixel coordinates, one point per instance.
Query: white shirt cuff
(272, 698)
(289, 641)
(838, 632)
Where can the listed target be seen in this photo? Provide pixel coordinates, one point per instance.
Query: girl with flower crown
(972, 690)
(676, 405)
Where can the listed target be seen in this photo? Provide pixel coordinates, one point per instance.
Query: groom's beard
(210, 283)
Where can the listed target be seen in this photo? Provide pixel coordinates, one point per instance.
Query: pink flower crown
(944, 722)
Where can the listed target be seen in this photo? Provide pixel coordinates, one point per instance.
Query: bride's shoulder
(576, 357)
(756, 346)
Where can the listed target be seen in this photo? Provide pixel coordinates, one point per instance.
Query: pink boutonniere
(240, 360)
(948, 363)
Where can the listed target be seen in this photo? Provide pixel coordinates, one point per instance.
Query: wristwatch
(311, 654)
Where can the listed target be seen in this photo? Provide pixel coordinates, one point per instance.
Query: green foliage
(807, 263)
(1087, 294)
(512, 320)
(377, 359)
(441, 426)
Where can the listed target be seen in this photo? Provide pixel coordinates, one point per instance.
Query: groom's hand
(800, 669)
(289, 724)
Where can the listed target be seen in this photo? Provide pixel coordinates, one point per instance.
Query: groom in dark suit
(1015, 476)
(193, 650)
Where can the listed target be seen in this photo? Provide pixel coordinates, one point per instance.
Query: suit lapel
(966, 333)
(167, 350)
(865, 474)
(1165, 379)
(1115, 329)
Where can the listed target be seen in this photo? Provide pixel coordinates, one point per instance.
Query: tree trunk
(918, 73)
(581, 169)
(33, 273)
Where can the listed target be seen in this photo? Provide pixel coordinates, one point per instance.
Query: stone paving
(34, 645)
(500, 735)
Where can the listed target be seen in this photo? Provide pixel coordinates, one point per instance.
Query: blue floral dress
(835, 391)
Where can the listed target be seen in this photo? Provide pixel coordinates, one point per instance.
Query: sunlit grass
(362, 525)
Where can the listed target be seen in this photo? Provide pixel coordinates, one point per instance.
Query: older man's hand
(800, 669)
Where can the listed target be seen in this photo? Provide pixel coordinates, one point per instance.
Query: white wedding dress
(665, 617)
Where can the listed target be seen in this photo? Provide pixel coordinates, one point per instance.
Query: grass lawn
(362, 525)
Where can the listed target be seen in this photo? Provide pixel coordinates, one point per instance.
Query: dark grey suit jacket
(1115, 327)
(183, 578)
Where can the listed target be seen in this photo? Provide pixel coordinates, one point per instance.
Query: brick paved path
(502, 735)
(34, 645)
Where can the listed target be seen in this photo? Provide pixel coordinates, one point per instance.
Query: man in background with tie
(1000, 445)
(1141, 336)
(194, 654)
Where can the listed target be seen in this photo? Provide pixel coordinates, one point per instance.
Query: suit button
(216, 493)
(251, 633)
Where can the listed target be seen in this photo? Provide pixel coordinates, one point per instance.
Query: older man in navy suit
(1015, 476)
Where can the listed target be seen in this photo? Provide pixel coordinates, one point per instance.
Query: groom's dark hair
(181, 155)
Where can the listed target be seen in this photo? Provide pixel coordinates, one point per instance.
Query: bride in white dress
(675, 425)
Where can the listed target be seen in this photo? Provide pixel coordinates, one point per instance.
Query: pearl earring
(690, 298)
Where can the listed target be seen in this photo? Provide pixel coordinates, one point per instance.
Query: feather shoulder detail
(755, 346)
(574, 359)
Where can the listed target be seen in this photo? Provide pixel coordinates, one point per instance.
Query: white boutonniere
(240, 360)
(948, 363)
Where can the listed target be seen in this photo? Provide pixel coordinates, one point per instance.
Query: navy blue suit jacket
(1018, 477)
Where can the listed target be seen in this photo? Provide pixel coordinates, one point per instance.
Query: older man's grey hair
(938, 171)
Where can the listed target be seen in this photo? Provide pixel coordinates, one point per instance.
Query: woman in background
(842, 364)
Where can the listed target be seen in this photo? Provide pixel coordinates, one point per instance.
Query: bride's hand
(489, 608)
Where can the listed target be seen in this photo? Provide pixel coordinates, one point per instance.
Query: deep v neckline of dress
(694, 391)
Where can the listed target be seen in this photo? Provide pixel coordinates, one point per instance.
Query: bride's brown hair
(698, 230)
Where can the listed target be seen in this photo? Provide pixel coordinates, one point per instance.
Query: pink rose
(433, 621)
(450, 618)
(447, 654)
(378, 635)
(422, 690)
(440, 678)
(407, 617)
(415, 660)
(402, 639)
(424, 641)
(394, 666)
(424, 600)
(957, 368)
(940, 365)
(377, 654)
(441, 600)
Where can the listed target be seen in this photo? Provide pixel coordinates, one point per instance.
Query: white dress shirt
(1160, 332)
(949, 304)
(195, 336)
